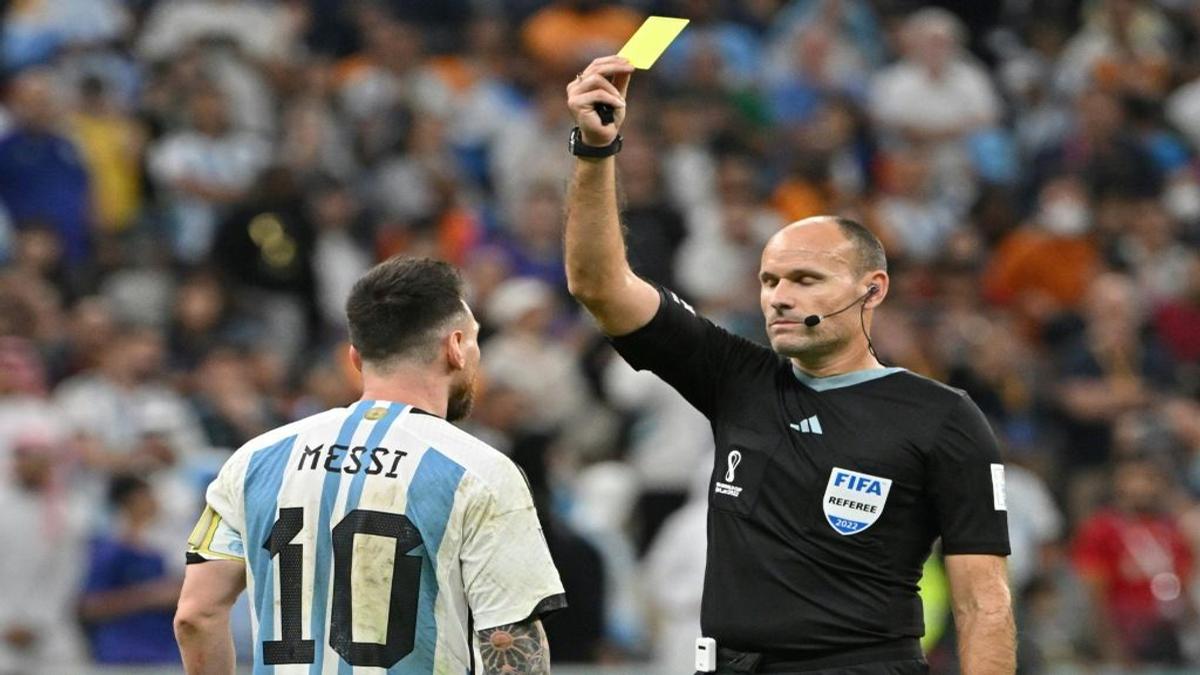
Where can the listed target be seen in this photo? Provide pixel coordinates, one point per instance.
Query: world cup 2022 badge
(731, 464)
(853, 501)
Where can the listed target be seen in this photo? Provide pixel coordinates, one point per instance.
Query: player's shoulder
(483, 462)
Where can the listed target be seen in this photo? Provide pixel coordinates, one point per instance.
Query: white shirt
(394, 534)
(906, 95)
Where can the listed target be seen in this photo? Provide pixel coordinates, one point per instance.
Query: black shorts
(905, 667)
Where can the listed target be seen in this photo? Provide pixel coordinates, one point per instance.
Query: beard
(462, 399)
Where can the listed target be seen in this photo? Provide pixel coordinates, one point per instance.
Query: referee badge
(853, 501)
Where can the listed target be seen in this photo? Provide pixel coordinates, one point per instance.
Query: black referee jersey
(826, 494)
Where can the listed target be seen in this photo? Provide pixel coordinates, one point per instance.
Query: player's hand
(605, 80)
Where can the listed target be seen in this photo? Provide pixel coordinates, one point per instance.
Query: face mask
(1182, 200)
(1065, 217)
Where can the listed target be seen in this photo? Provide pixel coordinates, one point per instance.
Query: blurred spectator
(1124, 46)
(339, 256)
(726, 234)
(39, 575)
(1035, 526)
(525, 357)
(34, 31)
(811, 68)
(42, 178)
(111, 143)
(1151, 251)
(655, 228)
(734, 45)
(852, 22)
(1101, 150)
(200, 320)
(227, 404)
(565, 35)
(1178, 321)
(673, 577)
(203, 170)
(667, 441)
(534, 237)
(913, 217)
(524, 157)
(1045, 267)
(265, 246)
(1111, 367)
(262, 30)
(937, 94)
(1138, 569)
(130, 419)
(128, 598)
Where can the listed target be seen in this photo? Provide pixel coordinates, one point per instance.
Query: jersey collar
(843, 380)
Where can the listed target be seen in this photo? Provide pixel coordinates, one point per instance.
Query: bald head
(841, 237)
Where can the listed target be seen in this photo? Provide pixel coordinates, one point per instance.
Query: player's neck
(853, 358)
(417, 389)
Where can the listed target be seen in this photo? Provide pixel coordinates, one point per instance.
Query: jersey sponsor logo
(731, 462)
(810, 425)
(999, 495)
(853, 501)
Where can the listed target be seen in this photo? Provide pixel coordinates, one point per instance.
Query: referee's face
(808, 268)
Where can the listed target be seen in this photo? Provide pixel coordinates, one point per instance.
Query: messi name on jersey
(853, 501)
(351, 460)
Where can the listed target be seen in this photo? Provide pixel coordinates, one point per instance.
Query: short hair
(122, 487)
(871, 255)
(396, 308)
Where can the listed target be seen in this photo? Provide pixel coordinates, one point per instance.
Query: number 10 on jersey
(402, 606)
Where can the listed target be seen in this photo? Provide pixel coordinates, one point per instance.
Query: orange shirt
(1030, 260)
(565, 40)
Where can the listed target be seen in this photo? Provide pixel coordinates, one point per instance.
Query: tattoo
(515, 649)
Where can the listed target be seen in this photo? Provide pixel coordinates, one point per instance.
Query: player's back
(374, 537)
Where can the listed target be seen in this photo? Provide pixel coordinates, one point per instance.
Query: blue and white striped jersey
(377, 539)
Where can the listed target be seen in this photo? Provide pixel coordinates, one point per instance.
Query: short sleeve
(689, 352)
(214, 539)
(507, 570)
(218, 534)
(966, 481)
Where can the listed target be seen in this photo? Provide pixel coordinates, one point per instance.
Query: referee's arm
(598, 274)
(982, 614)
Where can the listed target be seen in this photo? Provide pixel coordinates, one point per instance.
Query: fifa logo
(732, 462)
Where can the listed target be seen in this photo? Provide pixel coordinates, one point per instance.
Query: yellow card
(651, 40)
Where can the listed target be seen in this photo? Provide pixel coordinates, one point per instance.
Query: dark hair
(396, 308)
(871, 256)
(124, 486)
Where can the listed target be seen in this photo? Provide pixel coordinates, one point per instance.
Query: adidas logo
(808, 426)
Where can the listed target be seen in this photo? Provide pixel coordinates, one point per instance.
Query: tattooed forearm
(518, 648)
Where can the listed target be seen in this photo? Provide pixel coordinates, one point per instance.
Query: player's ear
(355, 358)
(456, 353)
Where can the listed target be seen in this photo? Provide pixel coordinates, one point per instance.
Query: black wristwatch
(581, 149)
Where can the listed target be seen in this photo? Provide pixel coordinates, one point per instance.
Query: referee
(834, 475)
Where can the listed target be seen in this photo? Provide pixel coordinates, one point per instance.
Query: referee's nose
(780, 300)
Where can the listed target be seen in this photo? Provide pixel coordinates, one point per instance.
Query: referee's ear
(877, 286)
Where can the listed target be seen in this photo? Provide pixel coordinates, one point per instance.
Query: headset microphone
(814, 319)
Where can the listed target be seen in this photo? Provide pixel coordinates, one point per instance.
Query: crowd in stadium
(188, 188)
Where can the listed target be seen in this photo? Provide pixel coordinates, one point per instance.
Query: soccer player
(833, 475)
(377, 538)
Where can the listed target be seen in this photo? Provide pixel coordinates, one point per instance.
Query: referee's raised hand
(605, 80)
